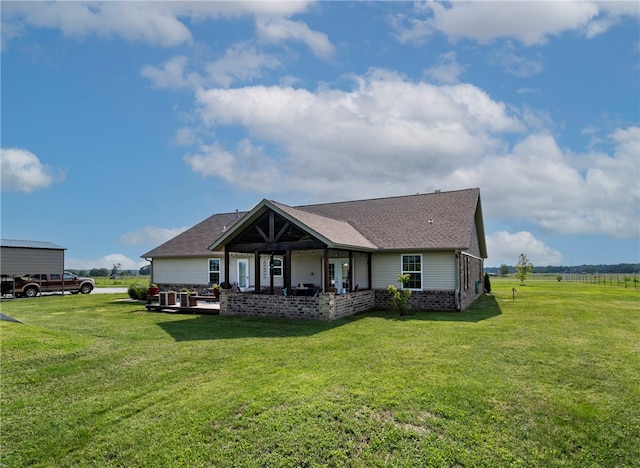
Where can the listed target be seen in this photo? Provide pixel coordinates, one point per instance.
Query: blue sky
(124, 123)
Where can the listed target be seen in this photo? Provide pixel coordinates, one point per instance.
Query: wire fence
(606, 279)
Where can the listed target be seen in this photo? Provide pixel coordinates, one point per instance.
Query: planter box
(167, 298)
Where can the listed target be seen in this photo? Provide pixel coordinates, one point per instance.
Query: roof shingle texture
(441, 220)
(403, 222)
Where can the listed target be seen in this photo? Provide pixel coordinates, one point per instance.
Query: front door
(243, 273)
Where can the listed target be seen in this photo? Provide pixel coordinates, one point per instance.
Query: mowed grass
(551, 378)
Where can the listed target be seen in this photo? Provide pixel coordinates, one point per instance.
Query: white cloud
(151, 22)
(447, 70)
(156, 23)
(406, 130)
(277, 30)
(531, 23)
(150, 235)
(172, 74)
(240, 62)
(108, 261)
(505, 248)
(516, 64)
(388, 135)
(22, 171)
(593, 193)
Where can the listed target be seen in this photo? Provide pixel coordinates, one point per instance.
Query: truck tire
(30, 291)
(86, 288)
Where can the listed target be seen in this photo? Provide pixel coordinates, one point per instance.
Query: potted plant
(185, 297)
(153, 289)
(216, 291)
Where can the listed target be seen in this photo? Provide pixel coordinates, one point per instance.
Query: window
(412, 266)
(214, 270)
(53, 276)
(276, 267)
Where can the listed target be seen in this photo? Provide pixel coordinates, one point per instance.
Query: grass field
(548, 379)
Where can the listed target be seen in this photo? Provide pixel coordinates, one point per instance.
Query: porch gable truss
(273, 233)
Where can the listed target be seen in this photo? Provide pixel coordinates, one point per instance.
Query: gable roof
(434, 221)
(404, 222)
(333, 232)
(195, 241)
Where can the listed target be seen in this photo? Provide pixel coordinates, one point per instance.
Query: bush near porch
(547, 379)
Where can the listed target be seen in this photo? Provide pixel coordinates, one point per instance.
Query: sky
(125, 123)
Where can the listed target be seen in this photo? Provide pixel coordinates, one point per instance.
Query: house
(331, 260)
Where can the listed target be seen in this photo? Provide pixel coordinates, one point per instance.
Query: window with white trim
(276, 267)
(412, 266)
(214, 270)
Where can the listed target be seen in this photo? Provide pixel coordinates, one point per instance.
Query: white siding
(438, 270)
(385, 269)
(360, 272)
(182, 270)
(306, 269)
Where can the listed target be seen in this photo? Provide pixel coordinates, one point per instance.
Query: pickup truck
(31, 285)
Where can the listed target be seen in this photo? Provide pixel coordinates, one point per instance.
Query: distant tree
(523, 268)
(114, 270)
(145, 270)
(99, 272)
(504, 270)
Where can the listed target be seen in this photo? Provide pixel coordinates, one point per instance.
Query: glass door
(243, 273)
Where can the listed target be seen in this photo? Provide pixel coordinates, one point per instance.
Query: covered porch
(305, 265)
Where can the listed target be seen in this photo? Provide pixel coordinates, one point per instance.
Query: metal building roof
(28, 244)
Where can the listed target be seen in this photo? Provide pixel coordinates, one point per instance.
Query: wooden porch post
(227, 285)
(256, 280)
(350, 271)
(287, 270)
(327, 285)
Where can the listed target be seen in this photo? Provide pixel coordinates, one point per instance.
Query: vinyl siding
(182, 270)
(438, 270)
(360, 272)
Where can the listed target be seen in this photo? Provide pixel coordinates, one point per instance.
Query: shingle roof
(337, 232)
(442, 220)
(196, 240)
(404, 222)
(28, 244)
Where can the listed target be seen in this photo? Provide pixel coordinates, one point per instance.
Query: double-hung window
(276, 267)
(412, 266)
(214, 270)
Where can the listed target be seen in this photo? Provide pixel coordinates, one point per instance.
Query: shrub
(400, 297)
(487, 283)
(138, 291)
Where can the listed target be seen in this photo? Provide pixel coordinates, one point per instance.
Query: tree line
(504, 270)
(94, 272)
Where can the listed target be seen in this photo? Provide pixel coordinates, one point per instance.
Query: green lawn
(548, 379)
